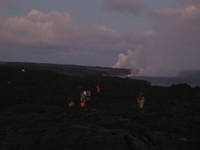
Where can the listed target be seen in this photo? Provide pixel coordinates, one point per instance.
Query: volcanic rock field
(34, 114)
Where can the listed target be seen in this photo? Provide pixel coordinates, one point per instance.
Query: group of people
(85, 96)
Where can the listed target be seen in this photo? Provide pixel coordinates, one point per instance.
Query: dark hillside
(72, 70)
(34, 115)
(50, 87)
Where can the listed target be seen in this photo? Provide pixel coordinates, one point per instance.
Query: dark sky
(151, 37)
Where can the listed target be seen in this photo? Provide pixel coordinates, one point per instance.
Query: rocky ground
(33, 114)
(102, 124)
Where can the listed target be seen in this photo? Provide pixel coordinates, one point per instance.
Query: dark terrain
(34, 116)
(71, 70)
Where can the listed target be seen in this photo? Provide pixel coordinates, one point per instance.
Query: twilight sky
(152, 37)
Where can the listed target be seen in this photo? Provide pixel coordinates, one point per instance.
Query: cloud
(189, 12)
(175, 45)
(4, 3)
(125, 6)
(58, 30)
(188, 2)
(35, 29)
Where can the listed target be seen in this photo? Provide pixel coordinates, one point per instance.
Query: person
(98, 90)
(88, 95)
(83, 98)
(83, 95)
(70, 102)
(69, 106)
(141, 100)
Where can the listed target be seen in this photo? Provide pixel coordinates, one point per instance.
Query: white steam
(131, 59)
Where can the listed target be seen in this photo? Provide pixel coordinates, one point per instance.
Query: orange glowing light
(82, 104)
(130, 75)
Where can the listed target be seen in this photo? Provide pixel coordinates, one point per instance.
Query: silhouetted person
(83, 97)
(141, 101)
(70, 103)
(97, 91)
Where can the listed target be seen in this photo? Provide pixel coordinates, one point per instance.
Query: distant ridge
(72, 70)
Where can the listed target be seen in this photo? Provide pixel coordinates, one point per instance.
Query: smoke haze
(174, 47)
